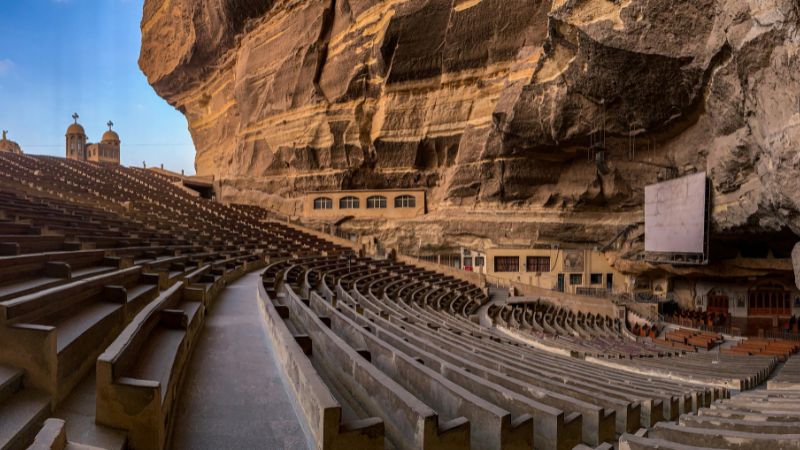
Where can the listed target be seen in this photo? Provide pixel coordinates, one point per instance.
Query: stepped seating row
(673, 345)
(584, 334)
(378, 353)
(402, 344)
(788, 376)
(764, 347)
(694, 338)
(756, 419)
(122, 260)
(709, 368)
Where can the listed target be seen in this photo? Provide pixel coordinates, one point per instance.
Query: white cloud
(6, 65)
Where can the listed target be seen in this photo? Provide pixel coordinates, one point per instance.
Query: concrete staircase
(22, 410)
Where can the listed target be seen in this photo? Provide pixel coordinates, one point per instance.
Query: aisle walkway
(233, 397)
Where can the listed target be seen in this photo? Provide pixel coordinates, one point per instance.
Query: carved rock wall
(490, 103)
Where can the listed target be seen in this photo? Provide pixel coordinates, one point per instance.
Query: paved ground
(233, 397)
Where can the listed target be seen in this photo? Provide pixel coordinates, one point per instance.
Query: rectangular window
(538, 264)
(479, 261)
(467, 261)
(596, 278)
(575, 279)
(506, 263)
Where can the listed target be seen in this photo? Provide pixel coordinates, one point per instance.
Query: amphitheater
(135, 314)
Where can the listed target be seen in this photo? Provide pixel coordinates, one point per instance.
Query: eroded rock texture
(490, 103)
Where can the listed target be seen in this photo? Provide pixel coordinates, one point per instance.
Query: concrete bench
(21, 275)
(202, 285)
(553, 427)
(23, 244)
(492, 425)
(139, 374)
(571, 376)
(721, 438)
(598, 424)
(59, 331)
(319, 409)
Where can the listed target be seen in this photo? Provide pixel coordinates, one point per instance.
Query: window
(376, 202)
(506, 264)
(575, 279)
(538, 264)
(349, 203)
(405, 201)
(479, 261)
(596, 278)
(323, 203)
(467, 261)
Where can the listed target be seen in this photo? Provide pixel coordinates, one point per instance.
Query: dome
(110, 135)
(75, 128)
(9, 146)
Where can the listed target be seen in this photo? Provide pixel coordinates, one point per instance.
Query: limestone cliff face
(490, 103)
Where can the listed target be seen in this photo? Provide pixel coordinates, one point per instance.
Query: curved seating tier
(105, 259)
(585, 334)
(415, 342)
(112, 270)
(788, 376)
(755, 419)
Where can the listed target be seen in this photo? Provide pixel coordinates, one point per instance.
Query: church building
(77, 147)
(9, 146)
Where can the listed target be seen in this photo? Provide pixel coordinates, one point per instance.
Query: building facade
(371, 204)
(575, 271)
(78, 148)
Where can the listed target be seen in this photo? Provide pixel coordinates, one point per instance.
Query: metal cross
(110, 124)
(75, 117)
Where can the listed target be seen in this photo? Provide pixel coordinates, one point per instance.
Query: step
(21, 417)
(10, 381)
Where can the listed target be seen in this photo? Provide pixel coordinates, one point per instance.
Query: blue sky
(63, 56)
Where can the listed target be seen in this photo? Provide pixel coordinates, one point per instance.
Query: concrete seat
(66, 326)
(720, 438)
(138, 375)
(322, 410)
(72, 327)
(22, 409)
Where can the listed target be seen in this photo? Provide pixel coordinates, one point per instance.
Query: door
(610, 282)
(560, 285)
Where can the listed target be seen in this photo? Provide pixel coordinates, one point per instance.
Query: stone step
(21, 416)
(10, 381)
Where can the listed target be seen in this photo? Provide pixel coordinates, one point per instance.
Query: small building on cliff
(369, 204)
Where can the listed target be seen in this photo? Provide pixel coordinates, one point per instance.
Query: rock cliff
(549, 109)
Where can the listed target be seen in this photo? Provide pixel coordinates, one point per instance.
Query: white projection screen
(675, 216)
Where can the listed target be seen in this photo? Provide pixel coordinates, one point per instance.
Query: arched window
(376, 202)
(349, 203)
(405, 201)
(323, 203)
